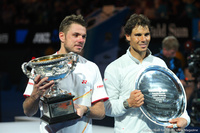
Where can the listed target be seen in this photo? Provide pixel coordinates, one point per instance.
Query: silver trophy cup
(164, 94)
(57, 104)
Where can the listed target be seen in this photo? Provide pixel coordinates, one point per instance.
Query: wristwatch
(87, 112)
(126, 105)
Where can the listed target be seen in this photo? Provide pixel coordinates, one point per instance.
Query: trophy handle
(70, 67)
(26, 71)
(74, 62)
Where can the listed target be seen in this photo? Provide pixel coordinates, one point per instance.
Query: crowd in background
(40, 12)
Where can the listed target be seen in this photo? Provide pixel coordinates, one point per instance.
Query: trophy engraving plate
(62, 108)
(163, 92)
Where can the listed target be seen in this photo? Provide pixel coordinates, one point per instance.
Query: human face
(74, 39)
(169, 53)
(139, 39)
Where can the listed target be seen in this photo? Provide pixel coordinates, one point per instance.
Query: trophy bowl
(164, 95)
(57, 104)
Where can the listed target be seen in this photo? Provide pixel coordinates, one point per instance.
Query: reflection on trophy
(164, 94)
(57, 104)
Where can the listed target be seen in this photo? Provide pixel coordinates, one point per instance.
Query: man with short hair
(170, 46)
(120, 77)
(85, 83)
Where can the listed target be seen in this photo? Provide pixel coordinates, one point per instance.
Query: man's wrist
(126, 105)
(34, 98)
(87, 111)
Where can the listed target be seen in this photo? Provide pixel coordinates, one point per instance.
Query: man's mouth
(143, 45)
(78, 46)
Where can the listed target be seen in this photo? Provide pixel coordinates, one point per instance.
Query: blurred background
(29, 29)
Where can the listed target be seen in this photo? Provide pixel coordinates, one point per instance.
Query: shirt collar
(136, 60)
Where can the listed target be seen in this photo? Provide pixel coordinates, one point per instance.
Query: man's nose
(81, 39)
(143, 38)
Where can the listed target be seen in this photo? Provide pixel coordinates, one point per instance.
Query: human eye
(147, 34)
(138, 34)
(84, 36)
(76, 34)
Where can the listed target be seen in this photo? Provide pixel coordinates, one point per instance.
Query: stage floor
(33, 127)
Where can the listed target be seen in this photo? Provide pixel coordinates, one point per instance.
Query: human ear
(128, 37)
(62, 36)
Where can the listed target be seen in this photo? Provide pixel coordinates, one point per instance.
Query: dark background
(45, 16)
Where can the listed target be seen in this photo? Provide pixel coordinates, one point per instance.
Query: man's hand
(178, 123)
(40, 86)
(80, 109)
(97, 110)
(136, 99)
(30, 105)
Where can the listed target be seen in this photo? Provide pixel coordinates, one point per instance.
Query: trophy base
(59, 118)
(58, 109)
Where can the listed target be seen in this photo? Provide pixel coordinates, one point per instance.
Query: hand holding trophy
(57, 104)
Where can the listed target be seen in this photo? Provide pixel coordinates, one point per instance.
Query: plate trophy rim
(168, 72)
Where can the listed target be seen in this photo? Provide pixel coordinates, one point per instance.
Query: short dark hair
(136, 20)
(68, 20)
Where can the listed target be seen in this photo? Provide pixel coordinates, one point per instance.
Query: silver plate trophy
(57, 104)
(164, 94)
